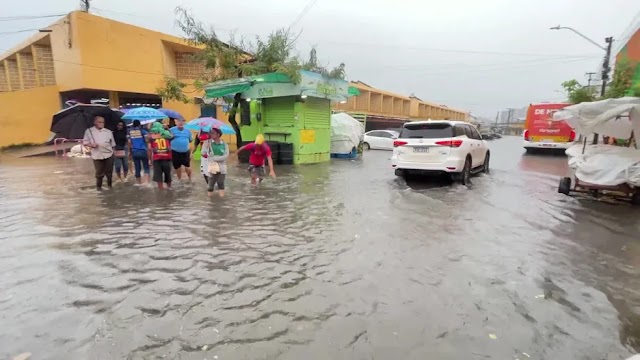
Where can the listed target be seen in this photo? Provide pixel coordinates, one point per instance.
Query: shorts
(216, 179)
(256, 170)
(180, 159)
(162, 171)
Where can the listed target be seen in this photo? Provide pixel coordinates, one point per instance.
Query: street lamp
(605, 65)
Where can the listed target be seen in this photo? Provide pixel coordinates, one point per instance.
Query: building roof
(362, 85)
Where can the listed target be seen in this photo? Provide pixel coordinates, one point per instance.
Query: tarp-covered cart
(604, 169)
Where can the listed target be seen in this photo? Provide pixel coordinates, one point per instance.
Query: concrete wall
(26, 121)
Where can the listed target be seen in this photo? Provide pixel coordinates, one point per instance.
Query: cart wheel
(635, 198)
(565, 186)
(595, 193)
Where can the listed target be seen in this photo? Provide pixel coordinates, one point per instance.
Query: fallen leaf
(492, 336)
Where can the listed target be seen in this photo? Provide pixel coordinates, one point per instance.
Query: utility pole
(590, 75)
(85, 5)
(606, 68)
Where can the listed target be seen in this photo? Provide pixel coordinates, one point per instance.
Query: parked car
(379, 139)
(451, 147)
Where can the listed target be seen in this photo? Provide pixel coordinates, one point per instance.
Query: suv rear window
(426, 131)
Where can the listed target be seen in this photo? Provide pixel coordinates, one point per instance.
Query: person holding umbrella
(138, 146)
(160, 153)
(101, 142)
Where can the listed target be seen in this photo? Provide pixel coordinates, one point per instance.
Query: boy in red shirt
(160, 155)
(259, 152)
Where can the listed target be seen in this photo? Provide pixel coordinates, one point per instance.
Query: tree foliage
(577, 93)
(621, 81)
(621, 85)
(240, 57)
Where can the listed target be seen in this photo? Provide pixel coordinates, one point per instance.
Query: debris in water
(492, 336)
(525, 354)
(204, 348)
(540, 296)
(58, 172)
(23, 356)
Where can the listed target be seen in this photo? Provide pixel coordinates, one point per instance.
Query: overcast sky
(481, 56)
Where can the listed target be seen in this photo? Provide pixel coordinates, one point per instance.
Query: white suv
(452, 147)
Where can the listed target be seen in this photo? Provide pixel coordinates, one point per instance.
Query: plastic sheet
(346, 133)
(605, 164)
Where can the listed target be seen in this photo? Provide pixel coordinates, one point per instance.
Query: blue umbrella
(171, 113)
(146, 115)
(206, 123)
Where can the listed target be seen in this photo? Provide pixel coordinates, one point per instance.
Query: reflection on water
(339, 260)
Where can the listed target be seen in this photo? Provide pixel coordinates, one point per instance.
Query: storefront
(297, 116)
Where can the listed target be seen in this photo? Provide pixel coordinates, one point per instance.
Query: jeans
(122, 163)
(140, 161)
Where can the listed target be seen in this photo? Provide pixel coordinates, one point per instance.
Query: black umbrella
(72, 122)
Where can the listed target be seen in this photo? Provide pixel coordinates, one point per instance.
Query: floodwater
(331, 261)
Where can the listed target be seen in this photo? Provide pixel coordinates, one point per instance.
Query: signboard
(307, 136)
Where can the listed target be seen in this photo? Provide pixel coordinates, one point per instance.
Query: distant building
(384, 109)
(631, 52)
(87, 58)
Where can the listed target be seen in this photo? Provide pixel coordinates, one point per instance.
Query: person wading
(101, 142)
(138, 145)
(121, 156)
(180, 151)
(259, 152)
(217, 153)
(160, 155)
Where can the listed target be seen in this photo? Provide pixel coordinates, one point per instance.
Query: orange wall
(631, 50)
(32, 122)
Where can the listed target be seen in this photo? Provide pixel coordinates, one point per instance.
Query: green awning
(271, 78)
(354, 91)
(216, 92)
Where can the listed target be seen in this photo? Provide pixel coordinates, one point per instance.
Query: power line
(459, 51)
(34, 17)
(303, 13)
(18, 31)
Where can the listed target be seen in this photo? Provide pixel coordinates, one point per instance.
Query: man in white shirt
(101, 142)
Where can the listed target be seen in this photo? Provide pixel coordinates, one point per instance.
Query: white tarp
(346, 133)
(605, 164)
(611, 117)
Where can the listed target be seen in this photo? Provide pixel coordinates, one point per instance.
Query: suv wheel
(465, 175)
(485, 166)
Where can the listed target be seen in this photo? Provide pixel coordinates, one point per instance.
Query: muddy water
(333, 261)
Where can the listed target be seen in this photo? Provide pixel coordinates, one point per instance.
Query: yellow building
(84, 57)
(385, 109)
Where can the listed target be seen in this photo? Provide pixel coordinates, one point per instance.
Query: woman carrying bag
(216, 151)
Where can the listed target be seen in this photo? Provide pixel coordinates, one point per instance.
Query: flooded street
(335, 261)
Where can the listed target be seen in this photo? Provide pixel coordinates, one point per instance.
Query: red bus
(541, 132)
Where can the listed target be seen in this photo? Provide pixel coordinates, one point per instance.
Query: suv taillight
(526, 135)
(572, 137)
(397, 143)
(450, 143)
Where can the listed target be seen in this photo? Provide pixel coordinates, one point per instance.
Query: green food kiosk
(295, 115)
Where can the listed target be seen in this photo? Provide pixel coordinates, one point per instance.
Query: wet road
(332, 261)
